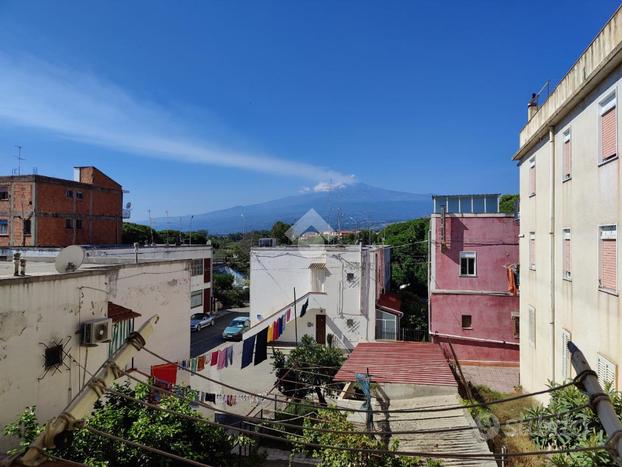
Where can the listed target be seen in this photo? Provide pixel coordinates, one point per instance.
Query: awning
(390, 303)
(120, 313)
(317, 266)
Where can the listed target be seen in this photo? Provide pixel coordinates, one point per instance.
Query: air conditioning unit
(96, 332)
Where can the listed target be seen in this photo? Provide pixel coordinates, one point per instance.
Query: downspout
(552, 245)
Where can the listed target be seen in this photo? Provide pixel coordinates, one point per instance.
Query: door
(320, 329)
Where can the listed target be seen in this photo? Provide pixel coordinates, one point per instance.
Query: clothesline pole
(295, 318)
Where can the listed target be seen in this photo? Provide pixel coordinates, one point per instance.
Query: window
(466, 322)
(120, 332)
(516, 324)
(69, 193)
(532, 326)
(196, 299)
(532, 251)
(27, 226)
(608, 257)
(468, 263)
(4, 227)
(68, 223)
(607, 372)
(567, 156)
(608, 129)
(4, 192)
(566, 250)
(565, 355)
(53, 356)
(350, 276)
(532, 176)
(79, 195)
(197, 267)
(78, 223)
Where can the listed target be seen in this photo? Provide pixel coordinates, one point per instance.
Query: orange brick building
(51, 212)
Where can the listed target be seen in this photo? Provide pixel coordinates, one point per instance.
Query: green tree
(279, 231)
(308, 369)
(133, 421)
(330, 457)
(227, 293)
(142, 234)
(507, 203)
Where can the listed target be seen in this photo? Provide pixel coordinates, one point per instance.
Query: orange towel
(511, 281)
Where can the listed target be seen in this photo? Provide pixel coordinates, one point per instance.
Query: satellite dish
(128, 205)
(69, 259)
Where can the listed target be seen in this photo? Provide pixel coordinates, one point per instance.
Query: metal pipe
(552, 271)
(478, 339)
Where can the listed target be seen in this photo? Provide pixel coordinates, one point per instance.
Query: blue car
(236, 328)
(199, 321)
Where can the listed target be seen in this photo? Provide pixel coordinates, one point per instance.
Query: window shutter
(608, 133)
(567, 254)
(532, 177)
(607, 372)
(532, 325)
(565, 355)
(532, 250)
(567, 158)
(608, 258)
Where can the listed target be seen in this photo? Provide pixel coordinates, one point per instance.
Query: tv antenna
(19, 159)
(69, 259)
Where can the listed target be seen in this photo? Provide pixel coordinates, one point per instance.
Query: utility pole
(599, 400)
(82, 405)
(295, 318)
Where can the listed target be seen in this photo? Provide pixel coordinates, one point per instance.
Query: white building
(41, 315)
(343, 285)
(201, 296)
(570, 213)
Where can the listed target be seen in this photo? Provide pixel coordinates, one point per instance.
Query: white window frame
(566, 365)
(532, 164)
(197, 264)
(607, 371)
(606, 104)
(196, 293)
(532, 325)
(600, 236)
(566, 136)
(566, 235)
(467, 255)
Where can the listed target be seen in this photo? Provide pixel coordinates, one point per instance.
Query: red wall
(495, 241)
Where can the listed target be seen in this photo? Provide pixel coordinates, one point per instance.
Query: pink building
(474, 258)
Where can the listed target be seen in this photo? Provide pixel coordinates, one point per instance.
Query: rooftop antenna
(150, 226)
(19, 159)
(168, 227)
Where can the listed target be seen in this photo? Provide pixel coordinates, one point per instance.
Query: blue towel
(247, 351)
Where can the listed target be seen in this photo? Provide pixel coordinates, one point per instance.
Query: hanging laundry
(511, 277)
(277, 329)
(281, 325)
(247, 351)
(303, 310)
(288, 315)
(222, 358)
(184, 364)
(210, 397)
(193, 364)
(229, 356)
(261, 346)
(201, 363)
(165, 373)
(271, 333)
(214, 360)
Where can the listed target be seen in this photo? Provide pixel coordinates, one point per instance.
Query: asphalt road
(210, 337)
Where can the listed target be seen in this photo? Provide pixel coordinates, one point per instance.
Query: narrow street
(210, 337)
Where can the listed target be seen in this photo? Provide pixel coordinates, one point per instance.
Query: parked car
(199, 321)
(236, 328)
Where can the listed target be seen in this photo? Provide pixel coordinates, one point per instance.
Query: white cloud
(81, 107)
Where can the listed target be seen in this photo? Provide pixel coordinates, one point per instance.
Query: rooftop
(398, 363)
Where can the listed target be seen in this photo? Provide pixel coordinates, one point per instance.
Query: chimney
(532, 107)
(16, 257)
(22, 263)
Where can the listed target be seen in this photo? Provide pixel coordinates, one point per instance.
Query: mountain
(354, 206)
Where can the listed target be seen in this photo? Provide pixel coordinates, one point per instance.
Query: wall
(591, 198)
(494, 239)
(42, 310)
(276, 271)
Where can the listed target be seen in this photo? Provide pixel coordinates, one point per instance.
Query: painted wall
(589, 199)
(494, 239)
(39, 311)
(349, 304)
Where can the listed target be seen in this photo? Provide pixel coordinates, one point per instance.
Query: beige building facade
(570, 217)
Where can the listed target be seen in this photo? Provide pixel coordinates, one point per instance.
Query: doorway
(320, 329)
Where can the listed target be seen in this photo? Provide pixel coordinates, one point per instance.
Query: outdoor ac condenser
(96, 332)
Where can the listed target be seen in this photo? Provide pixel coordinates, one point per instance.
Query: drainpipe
(552, 245)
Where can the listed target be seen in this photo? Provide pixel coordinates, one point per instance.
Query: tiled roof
(398, 362)
(120, 313)
(390, 302)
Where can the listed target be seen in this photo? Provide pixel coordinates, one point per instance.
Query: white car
(199, 321)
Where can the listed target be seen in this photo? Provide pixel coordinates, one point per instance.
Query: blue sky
(194, 106)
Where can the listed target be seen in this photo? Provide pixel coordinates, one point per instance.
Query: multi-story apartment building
(473, 256)
(571, 207)
(345, 287)
(43, 211)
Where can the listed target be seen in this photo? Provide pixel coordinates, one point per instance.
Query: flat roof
(399, 363)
